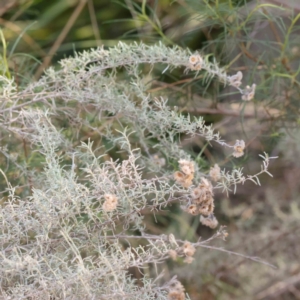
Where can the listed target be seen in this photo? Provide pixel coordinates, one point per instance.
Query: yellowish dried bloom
(193, 59)
(188, 259)
(203, 201)
(188, 249)
(193, 210)
(249, 92)
(175, 295)
(188, 181)
(210, 221)
(195, 62)
(177, 286)
(196, 67)
(187, 170)
(215, 172)
(110, 203)
(185, 180)
(186, 166)
(207, 208)
(196, 193)
(173, 254)
(205, 185)
(239, 148)
(178, 176)
(204, 192)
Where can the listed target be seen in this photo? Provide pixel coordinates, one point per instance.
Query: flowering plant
(69, 234)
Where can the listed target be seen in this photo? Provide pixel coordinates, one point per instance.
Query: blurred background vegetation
(259, 38)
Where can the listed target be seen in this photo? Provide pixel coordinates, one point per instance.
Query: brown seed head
(188, 249)
(210, 221)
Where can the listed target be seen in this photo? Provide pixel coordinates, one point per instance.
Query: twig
(60, 38)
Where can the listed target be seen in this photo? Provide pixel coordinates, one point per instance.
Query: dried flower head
(215, 172)
(192, 209)
(202, 199)
(185, 180)
(188, 249)
(176, 291)
(196, 193)
(236, 80)
(249, 92)
(238, 147)
(225, 235)
(110, 203)
(210, 221)
(188, 259)
(193, 59)
(222, 233)
(188, 181)
(178, 176)
(186, 166)
(207, 208)
(205, 190)
(176, 295)
(195, 62)
(205, 185)
(177, 286)
(173, 254)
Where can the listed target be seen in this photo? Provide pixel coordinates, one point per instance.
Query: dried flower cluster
(215, 172)
(110, 203)
(195, 62)
(202, 196)
(236, 80)
(202, 199)
(176, 291)
(239, 147)
(249, 92)
(189, 251)
(186, 176)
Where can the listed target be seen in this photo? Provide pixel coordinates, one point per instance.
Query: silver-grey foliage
(61, 241)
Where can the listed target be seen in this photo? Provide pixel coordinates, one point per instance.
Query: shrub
(69, 219)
